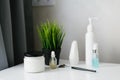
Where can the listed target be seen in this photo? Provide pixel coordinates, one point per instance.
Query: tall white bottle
(89, 37)
(74, 54)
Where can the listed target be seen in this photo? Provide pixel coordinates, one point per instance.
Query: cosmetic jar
(34, 62)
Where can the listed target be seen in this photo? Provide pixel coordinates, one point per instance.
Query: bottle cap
(33, 54)
(95, 46)
(53, 54)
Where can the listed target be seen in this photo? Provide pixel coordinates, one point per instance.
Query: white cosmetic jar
(34, 63)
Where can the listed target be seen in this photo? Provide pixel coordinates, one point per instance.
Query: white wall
(73, 15)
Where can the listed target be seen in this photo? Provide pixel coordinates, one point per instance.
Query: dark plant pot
(47, 55)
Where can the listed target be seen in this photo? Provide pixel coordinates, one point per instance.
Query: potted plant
(51, 35)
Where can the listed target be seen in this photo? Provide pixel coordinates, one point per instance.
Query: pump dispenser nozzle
(89, 28)
(90, 21)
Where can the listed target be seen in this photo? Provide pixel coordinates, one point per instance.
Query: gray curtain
(17, 28)
(3, 58)
(5, 21)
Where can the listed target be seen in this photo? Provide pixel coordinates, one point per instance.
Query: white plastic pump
(90, 28)
(89, 37)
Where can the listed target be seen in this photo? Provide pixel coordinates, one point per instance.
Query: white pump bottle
(89, 37)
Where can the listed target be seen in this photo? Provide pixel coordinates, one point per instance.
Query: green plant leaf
(51, 35)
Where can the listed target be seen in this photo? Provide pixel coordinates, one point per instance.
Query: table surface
(106, 71)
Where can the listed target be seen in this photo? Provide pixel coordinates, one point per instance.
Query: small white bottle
(74, 54)
(89, 37)
(95, 56)
(53, 61)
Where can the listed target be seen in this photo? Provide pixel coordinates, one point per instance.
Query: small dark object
(62, 66)
(83, 69)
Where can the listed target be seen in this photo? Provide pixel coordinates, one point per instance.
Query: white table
(107, 71)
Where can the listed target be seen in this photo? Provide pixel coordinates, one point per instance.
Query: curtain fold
(3, 58)
(5, 21)
(17, 28)
(29, 24)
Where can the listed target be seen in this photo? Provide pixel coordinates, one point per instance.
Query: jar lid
(33, 54)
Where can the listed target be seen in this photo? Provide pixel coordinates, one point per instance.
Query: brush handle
(83, 69)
